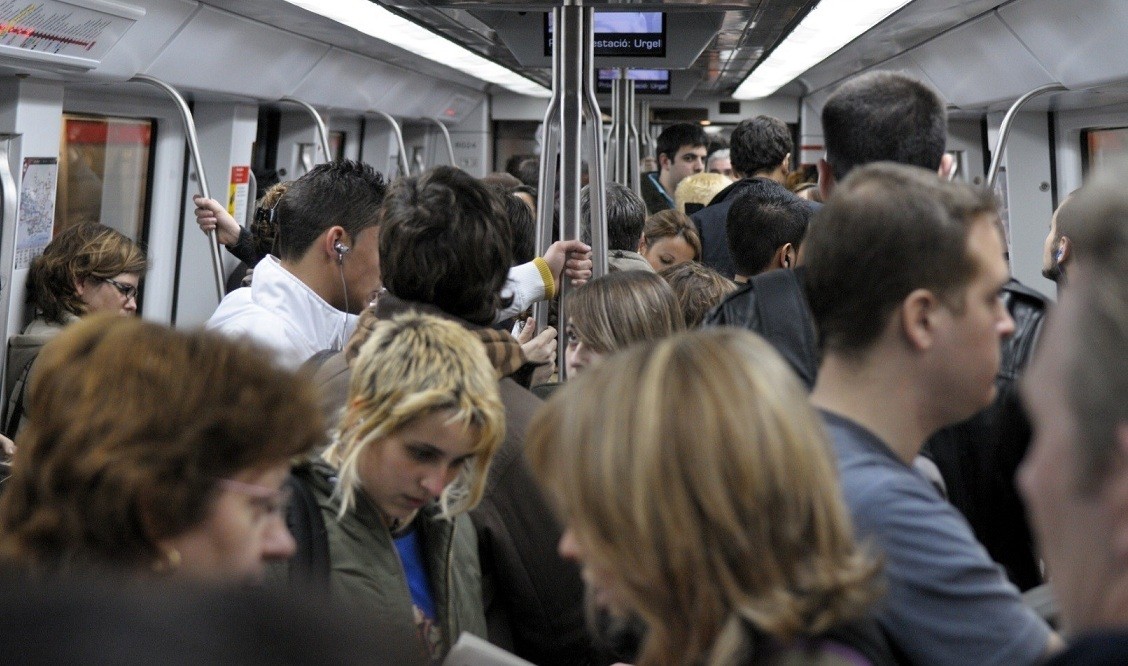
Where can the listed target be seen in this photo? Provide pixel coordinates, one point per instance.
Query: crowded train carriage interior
(165, 158)
(468, 84)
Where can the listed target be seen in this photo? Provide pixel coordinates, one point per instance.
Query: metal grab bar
(446, 137)
(1005, 127)
(597, 171)
(634, 152)
(404, 170)
(322, 133)
(194, 148)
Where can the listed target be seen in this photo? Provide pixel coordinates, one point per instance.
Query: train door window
(1101, 146)
(105, 170)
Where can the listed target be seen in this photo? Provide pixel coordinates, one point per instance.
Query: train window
(1101, 146)
(105, 167)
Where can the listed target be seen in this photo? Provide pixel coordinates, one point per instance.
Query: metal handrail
(1005, 127)
(398, 133)
(446, 137)
(9, 202)
(322, 133)
(194, 148)
(597, 173)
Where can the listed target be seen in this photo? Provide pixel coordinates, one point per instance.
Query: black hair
(762, 220)
(626, 216)
(446, 240)
(883, 116)
(759, 144)
(340, 193)
(677, 135)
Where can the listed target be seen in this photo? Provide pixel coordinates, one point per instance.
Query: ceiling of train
(749, 30)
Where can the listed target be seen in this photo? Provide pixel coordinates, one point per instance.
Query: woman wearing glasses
(86, 269)
(154, 453)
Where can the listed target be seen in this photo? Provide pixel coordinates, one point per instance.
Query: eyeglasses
(129, 291)
(267, 501)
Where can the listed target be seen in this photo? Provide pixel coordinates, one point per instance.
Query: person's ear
(642, 246)
(918, 318)
(334, 236)
(947, 167)
(1064, 248)
(787, 256)
(826, 179)
(785, 164)
(663, 162)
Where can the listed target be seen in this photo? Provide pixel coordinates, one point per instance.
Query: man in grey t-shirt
(903, 277)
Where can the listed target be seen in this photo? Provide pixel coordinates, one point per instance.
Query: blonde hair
(672, 223)
(412, 366)
(711, 497)
(700, 188)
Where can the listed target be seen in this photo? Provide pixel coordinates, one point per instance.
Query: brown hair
(698, 289)
(131, 427)
(712, 496)
(622, 308)
(671, 223)
(87, 251)
(888, 229)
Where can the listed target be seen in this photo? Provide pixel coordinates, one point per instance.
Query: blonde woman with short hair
(708, 506)
(422, 422)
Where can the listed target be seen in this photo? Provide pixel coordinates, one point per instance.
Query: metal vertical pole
(613, 134)
(644, 129)
(546, 188)
(597, 176)
(633, 153)
(620, 128)
(446, 138)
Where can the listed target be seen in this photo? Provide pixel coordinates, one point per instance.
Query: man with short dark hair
(681, 153)
(626, 216)
(760, 148)
(882, 116)
(329, 267)
(765, 229)
(903, 274)
(1075, 475)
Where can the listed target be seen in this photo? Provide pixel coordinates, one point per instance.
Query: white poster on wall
(35, 218)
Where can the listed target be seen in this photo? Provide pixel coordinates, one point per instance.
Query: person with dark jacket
(446, 246)
(760, 148)
(408, 460)
(681, 153)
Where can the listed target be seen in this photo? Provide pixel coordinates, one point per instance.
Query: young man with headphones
(306, 300)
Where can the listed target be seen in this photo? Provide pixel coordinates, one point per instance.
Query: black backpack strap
(309, 567)
(14, 410)
(785, 321)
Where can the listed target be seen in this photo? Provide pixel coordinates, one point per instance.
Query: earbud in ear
(1059, 255)
(342, 250)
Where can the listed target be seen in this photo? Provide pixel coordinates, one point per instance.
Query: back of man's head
(445, 239)
(1096, 352)
(626, 215)
(764, 218)
(341, 193)
(888, 230)
(759, 145)
(883, 116)
(677, 135)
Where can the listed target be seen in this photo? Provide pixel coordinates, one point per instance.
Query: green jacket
(366, 573)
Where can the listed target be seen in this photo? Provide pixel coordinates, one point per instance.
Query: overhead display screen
(646, 81)
(625, 34)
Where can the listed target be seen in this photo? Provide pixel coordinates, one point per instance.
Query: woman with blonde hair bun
(709, 507)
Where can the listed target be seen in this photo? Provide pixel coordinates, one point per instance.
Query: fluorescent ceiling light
(828, 27)
(375, 21)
